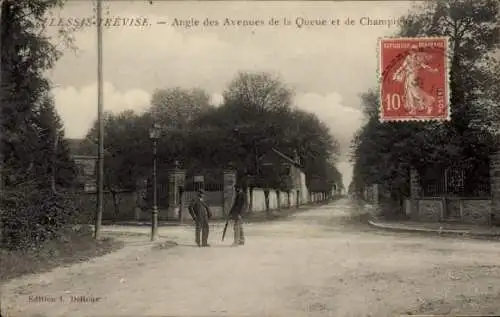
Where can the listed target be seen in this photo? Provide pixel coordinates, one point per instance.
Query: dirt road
(316, 263)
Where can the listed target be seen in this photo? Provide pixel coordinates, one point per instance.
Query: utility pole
(100, 156)
(1, 89)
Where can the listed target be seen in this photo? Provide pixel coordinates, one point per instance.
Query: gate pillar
(176, 181)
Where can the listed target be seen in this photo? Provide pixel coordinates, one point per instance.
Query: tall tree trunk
(278, 199)
(266, 199)
(250, 203)
(289, 199)
(116, 205)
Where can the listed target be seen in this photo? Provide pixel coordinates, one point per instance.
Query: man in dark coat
(200, 212)
(235, 214)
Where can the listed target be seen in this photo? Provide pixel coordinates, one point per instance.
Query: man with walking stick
(235, 214)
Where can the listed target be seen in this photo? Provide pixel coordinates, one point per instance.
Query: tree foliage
(177, 107)
(127, 148)
(257, 115)
(53, 155)
(384, 152)
(258, 92)
(35, 156)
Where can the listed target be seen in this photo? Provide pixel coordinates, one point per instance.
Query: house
(85, 158)
(289, 169)
(278, 163)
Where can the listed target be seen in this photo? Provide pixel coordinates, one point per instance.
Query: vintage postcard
(249, 158)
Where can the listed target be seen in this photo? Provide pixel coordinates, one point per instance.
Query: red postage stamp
(414, 75)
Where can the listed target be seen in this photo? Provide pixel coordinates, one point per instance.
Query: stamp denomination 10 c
(414, 79)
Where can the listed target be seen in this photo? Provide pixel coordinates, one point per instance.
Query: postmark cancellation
(414, 79)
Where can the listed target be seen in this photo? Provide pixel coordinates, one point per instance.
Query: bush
(30, 216)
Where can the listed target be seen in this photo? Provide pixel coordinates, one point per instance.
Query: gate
(212, 182)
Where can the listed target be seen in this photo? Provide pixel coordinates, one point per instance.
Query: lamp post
(154, 134)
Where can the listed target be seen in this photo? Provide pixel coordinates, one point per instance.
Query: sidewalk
(439, 227)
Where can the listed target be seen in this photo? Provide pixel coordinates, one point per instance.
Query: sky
(328, 66)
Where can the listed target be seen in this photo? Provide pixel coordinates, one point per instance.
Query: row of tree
(383, 153)
(256, 116)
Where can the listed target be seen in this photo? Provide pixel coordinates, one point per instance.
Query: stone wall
(465, 210)
(454, 209)
(476, 211)
(430, 210)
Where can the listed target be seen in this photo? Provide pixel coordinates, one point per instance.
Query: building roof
(281, 156)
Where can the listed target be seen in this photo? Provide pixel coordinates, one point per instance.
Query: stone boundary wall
(465, 210)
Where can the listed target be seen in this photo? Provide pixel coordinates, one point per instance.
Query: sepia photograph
(249, 158)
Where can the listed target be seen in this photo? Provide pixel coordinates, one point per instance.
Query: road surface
(316, 263)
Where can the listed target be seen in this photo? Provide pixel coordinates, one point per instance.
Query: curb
(396, 227)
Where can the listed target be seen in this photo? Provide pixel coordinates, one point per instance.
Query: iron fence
(456, 182)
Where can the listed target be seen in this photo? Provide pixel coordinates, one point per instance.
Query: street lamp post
(154, 134)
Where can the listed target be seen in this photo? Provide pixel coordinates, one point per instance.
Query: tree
(473, 30)
(53, 156)
(25, 54)
(315, 145)
(383, 153)
(258, 92)
(177, 107)
(256, 117)
(127, 148)
(32, 162)
(249, 121)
